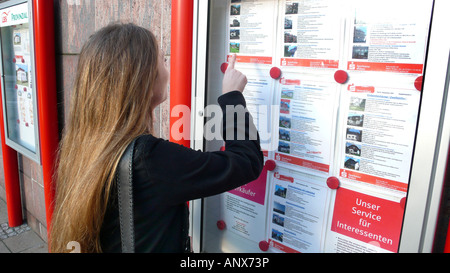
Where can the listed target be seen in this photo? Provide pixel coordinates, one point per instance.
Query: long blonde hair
(110, 106)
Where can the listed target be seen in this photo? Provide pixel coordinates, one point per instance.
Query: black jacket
(167, 175)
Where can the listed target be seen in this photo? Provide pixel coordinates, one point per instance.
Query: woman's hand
(233, 80)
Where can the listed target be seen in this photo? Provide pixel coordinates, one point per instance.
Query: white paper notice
(306, 123)
(378, 136)
(258, 94)
(245, 209)
(312, 32)
(389, 36)
(298, 211)
(252, 30)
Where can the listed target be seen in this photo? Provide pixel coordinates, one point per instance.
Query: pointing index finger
(232, 61)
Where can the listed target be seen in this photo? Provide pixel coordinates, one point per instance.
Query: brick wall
(75, 21)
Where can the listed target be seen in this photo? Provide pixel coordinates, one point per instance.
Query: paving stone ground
(21, 239)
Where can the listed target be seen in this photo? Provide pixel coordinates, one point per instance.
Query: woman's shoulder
(146, 143)
(149, 144)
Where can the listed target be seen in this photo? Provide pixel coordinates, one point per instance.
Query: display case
(18, 78)
(349, 98)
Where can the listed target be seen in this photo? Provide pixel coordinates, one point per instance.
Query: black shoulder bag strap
(125, 192)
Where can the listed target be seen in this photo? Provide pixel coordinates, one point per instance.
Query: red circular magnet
(333, 182)
(25, 89)
(14, 60)
(341, 76)
(16, 87)
(270, 165)
(224, 67)
(403, 203)
(418, 83)
(264, 245)
(222, 148)
(221, 225)
(275, 73)
(18, 120)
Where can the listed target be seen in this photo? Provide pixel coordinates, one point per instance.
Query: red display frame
(44, 46)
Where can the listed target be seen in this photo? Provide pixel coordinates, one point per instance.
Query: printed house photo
(280, 191)
(235, 22)
(287, 94)
(284, 135)
(359, 34)
(290, 38)
(287, 23)
(285, 122)
(277, 235)
(352, 149)
(357, 104)
(355, 119)
(284, 106)
(284, 147)
(292, 8)
(351, 163)
(17, 39)
(235, 34)
(354, 134)
(277, 219)
(289, 50)
(234, 47)
(360, 52)
(235, 10)
(22, 74)
(279, 208)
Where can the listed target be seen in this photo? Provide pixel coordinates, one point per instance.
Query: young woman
(121, 78)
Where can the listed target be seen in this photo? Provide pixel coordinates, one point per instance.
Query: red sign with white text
(374, 180)
(367, 218)
(302, 162)
(310, 63)
(386, 67)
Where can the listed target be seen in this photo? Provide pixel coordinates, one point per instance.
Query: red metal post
(11, 174)
(46, 96)
(181, 62)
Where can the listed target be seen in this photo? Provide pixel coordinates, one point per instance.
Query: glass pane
(17, 75)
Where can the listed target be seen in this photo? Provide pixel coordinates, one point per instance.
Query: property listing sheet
(306, 122)
(258, 94)
(312, 34)
(389, 36)
(298, 210)
(378, 133)
(245, 209)
(252, 30)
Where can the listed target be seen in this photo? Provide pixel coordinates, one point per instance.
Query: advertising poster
(306, 123)
(312, 34)
(365, 223)
(298, 210)
(252, 30)
(389, 36)
(378, 134)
